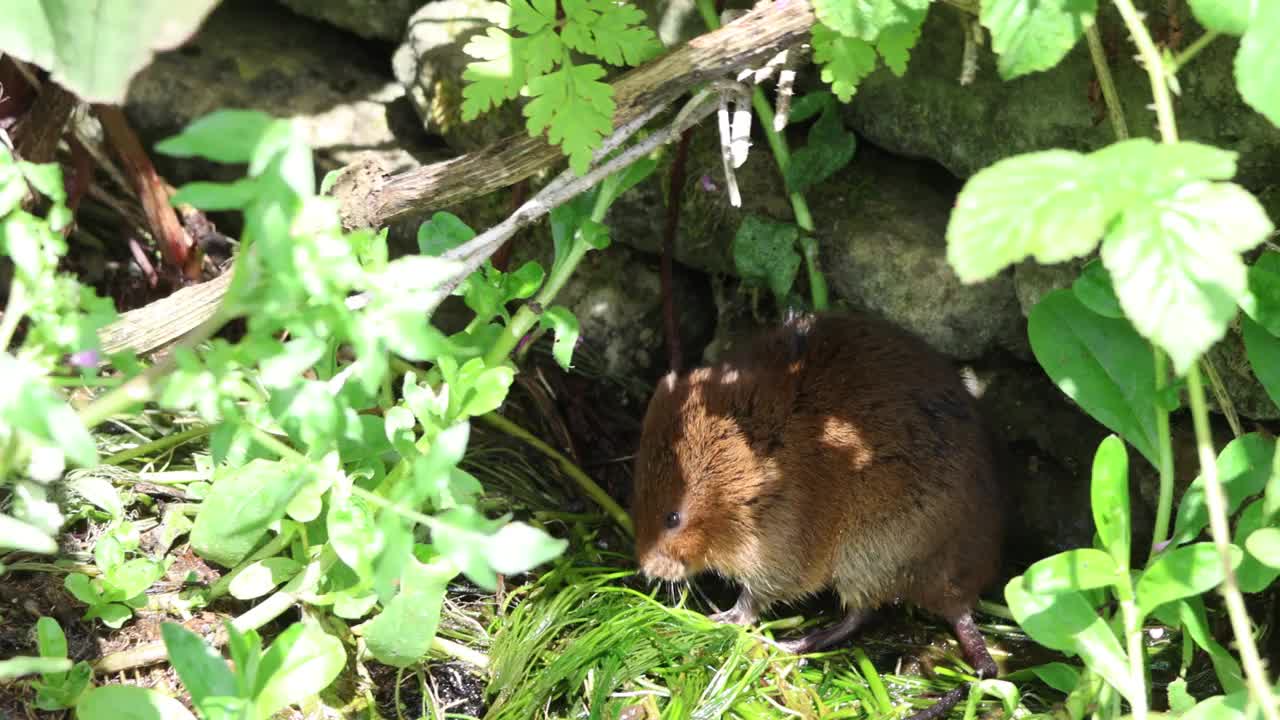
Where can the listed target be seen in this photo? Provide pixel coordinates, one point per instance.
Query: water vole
(837, 451)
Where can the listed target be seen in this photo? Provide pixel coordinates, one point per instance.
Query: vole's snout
(657, 563)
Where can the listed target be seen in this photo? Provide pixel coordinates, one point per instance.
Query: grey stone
(927, 113)
(374, 19)
(261, 57)
(1032, 281)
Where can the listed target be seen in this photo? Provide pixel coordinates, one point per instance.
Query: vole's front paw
(734, 616)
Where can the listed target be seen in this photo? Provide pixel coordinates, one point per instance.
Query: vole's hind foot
(974, 647)
(826, 637)
(743, 612)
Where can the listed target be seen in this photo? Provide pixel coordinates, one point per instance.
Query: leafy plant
(120, 588)
(850, 35)
(58, 689)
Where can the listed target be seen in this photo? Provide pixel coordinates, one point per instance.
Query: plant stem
(159, 444)
(1154, 66)
(1193, 49)
(594, 491)
(14, 309)
(1255, 672)
(1138, 703)
(1164, 505)
(1115, 110)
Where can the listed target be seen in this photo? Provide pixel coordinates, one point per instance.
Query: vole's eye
(673, 520)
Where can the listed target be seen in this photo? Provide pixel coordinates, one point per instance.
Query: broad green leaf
(135, 576)
(219, 196)
(50, 639)
(1220, 707)
(1073, 570)
(518, 548)
(895, 42)
(113, 615)
(245, 649)
(1034, 35)
(17, 535)
(1182, 572)
(523, 282)
(297, 669)
(1057, 675)
(1109, 498)
(1143, 169)
(225, 136)
(487, 390)
(353, 533)
(764, 253)
(594, 234)
(27, 403)
(1093, 288)
(1271, 494)
(1244, 466)
(845, 61)
(1264, 544)
(1044, 205)
(1099, 362)
(574, 108)
(1191, 615)
(618, 183)
(443, 232)
(1230, 17)
(21, 666)
(1258, 64)
(463, 535)
(240, 506)
(202, 670)
(1263, 350)
(810, 104)
(402, 633)
(1263, 301)
(295, 357)
(82, 588)
(93, 48)
(261, 577)
(129, 702)
(1255, 574)
(865, 19)
(1067, 622)
(829, 148)
(100, 492)
(1176, 267)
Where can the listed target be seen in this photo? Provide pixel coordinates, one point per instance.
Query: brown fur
(838, 451)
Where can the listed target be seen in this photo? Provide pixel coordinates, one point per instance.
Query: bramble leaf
(1029, 36)
(1224, 16)
(1258, 64)
(865, 19)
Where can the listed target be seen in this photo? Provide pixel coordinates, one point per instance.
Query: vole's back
(875, 470)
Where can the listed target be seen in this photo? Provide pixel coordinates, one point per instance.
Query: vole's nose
(663, 566)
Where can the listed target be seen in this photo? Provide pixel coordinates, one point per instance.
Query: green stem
(158, 445)
(1155, 69)
(1164, 506)
(14, 309)
(75, 382)
(1115, 110)
(1215, 500)
(594, 491)
(1193, 49)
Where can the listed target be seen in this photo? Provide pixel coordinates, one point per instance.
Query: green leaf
(224, 136)
(1180, 700)
(865, 19)
(295, 357)
(1034, 35)
(620, 35)
(829, 148)
(129, 702)
(1263, 301)
(518, 548)
(1044, 205)
(810, 104)
(485, 388)
(1257, 63)
(402, 633)
(113, 615)
(895, 42)
(1176, 267)
(202, 670)
(445, 231)
(524, 282)
(1220, 707)
(618, 183)
(1230, 17)
(1093, 288)
(1182, 572)
(1191, 615)
(297, 666)
(1244, 466)
(1059, 676)
(1068, 623)
(493, 78)
(1264, 544)
(246, 653)
(1109, 498)
(27, 403)
(1255, 573)
(17, 535)
(219, 196)
(1101, 363)
(462, 535)
(261, 577)
(574, 108)
(764, 253)
(135, 576)
(560, 320)
(82, 588)
(22, 666)
(1073, 570)
(93, 48)
(50, 639)
(844, 60)
(240, 506)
